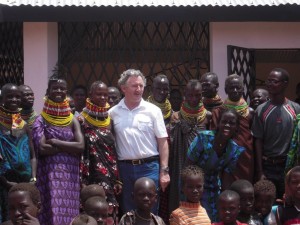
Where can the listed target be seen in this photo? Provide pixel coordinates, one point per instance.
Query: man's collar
(123, 105)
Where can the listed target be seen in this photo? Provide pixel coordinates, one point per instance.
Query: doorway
(288, 59)
(254, 65)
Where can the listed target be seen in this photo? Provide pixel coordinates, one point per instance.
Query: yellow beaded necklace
(193, 115)
(241, 106)
(95, 115)
(165, 107)
(57, 113)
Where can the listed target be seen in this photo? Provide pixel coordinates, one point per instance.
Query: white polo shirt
(136, 130)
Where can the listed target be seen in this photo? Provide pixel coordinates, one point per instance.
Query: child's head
(192, 181)
(265, 194)
(91, 191)
(97, 207)
(228, 206)
(245, 189)
(23, 199)
(144, 194)
(84, 219)
(292, 180)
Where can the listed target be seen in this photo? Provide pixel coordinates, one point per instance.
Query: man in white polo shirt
(141, 137)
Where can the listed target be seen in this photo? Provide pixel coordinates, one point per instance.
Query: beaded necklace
(241, 106)
(193, 115)
(11, 120)
(57, 113)
(210, 103)
(165, 107)
(29, 116)
(96, 115)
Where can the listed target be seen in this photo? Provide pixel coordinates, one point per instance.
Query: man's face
(133, 89)
(275, 83)
(27, 98)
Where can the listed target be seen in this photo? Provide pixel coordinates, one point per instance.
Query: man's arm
(163, 148)
(258, 159)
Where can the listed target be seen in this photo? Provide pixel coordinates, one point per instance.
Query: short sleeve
(296, 108)
(159, 125)
(257, 125)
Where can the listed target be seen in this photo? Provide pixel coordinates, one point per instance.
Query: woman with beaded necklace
(217, 154)
(234, 89)
(58, 143)
(159, 97)
(99, 164)
(186, 124)
(17, 158)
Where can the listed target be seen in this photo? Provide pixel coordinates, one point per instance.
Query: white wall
(40, 57)
(249, 35)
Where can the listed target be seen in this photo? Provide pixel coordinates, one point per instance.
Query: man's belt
(140, 161)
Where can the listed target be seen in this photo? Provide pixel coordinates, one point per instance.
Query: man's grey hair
(130, 73)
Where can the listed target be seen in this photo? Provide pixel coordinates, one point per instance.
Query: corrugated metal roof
(149, 3)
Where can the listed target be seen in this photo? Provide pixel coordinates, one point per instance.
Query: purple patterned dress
(57, 176)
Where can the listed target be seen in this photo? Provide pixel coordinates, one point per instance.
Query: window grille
(11, 53)
(103, 50)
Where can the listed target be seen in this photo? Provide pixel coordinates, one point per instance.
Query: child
(245, 189)
(144, 197)
(265, 194)
(229, 207)
(24, 204)
(290, 214)
(91, 191)
(190, 211)
(97, 207)
(83, 219)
